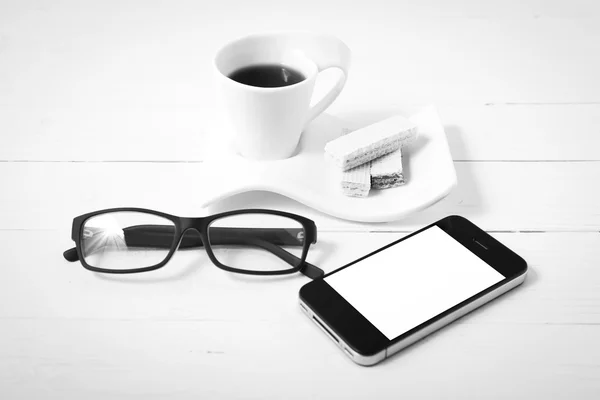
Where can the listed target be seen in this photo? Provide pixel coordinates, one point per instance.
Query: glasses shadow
(317, 254)
(170, 273)
(321, 252)
(263, 278)
(166, 274)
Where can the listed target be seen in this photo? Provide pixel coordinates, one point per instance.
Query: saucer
(309, 178)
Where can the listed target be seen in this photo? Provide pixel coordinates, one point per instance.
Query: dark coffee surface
(267, 75)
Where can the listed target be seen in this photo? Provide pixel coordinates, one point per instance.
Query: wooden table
(104, 104)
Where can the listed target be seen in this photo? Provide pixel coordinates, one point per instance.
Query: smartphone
(389, 299)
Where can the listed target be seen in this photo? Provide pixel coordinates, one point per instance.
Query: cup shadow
(324, 128)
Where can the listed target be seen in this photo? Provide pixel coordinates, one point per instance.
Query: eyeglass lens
(126, 240)
(256, 242)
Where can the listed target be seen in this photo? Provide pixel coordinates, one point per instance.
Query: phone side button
(347, 350)
(304, 308)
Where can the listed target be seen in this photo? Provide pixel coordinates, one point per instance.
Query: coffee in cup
(267, 75)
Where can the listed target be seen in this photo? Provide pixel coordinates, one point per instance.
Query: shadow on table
(317, 255)
(173, 271)
(470, 318)
(186, 263)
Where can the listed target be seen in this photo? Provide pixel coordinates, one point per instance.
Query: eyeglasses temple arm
(307, 268)
(71, 255)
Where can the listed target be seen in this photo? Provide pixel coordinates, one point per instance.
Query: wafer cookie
(386, 171)
(366, 144)
(356, 182)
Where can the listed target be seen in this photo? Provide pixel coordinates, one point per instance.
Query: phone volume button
(348, 352)
(304, 309)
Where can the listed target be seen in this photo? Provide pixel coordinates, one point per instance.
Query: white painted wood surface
(108, 103)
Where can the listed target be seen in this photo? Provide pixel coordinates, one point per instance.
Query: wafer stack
(386, 171)
(371, 157)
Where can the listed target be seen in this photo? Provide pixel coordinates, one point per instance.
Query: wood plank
(482, 73)
(562, 287)
(473, 61)
(425, 8)
(498, 196)
(90, 81)
(133, 359)
(442, 58)
(492, 132)
(499, 132)
(68, 332)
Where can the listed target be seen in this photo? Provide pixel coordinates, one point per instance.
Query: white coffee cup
(266, 123)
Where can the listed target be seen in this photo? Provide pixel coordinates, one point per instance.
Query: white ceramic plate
(310, 179)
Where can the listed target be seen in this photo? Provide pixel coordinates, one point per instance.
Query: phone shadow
(531, 279)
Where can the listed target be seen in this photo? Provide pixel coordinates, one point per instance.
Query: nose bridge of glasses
(191, 236)
(198, 224)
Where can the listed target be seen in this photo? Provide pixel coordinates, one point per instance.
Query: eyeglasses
(255, 242)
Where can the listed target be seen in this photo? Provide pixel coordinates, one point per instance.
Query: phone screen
(412, 281)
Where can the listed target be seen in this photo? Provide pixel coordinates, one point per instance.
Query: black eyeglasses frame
(201, 225)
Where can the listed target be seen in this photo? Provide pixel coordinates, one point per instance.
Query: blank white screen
(411, 282)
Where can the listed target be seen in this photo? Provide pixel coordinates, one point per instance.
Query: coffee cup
(265, 85)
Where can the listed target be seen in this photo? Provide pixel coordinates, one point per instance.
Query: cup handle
(327, 52)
